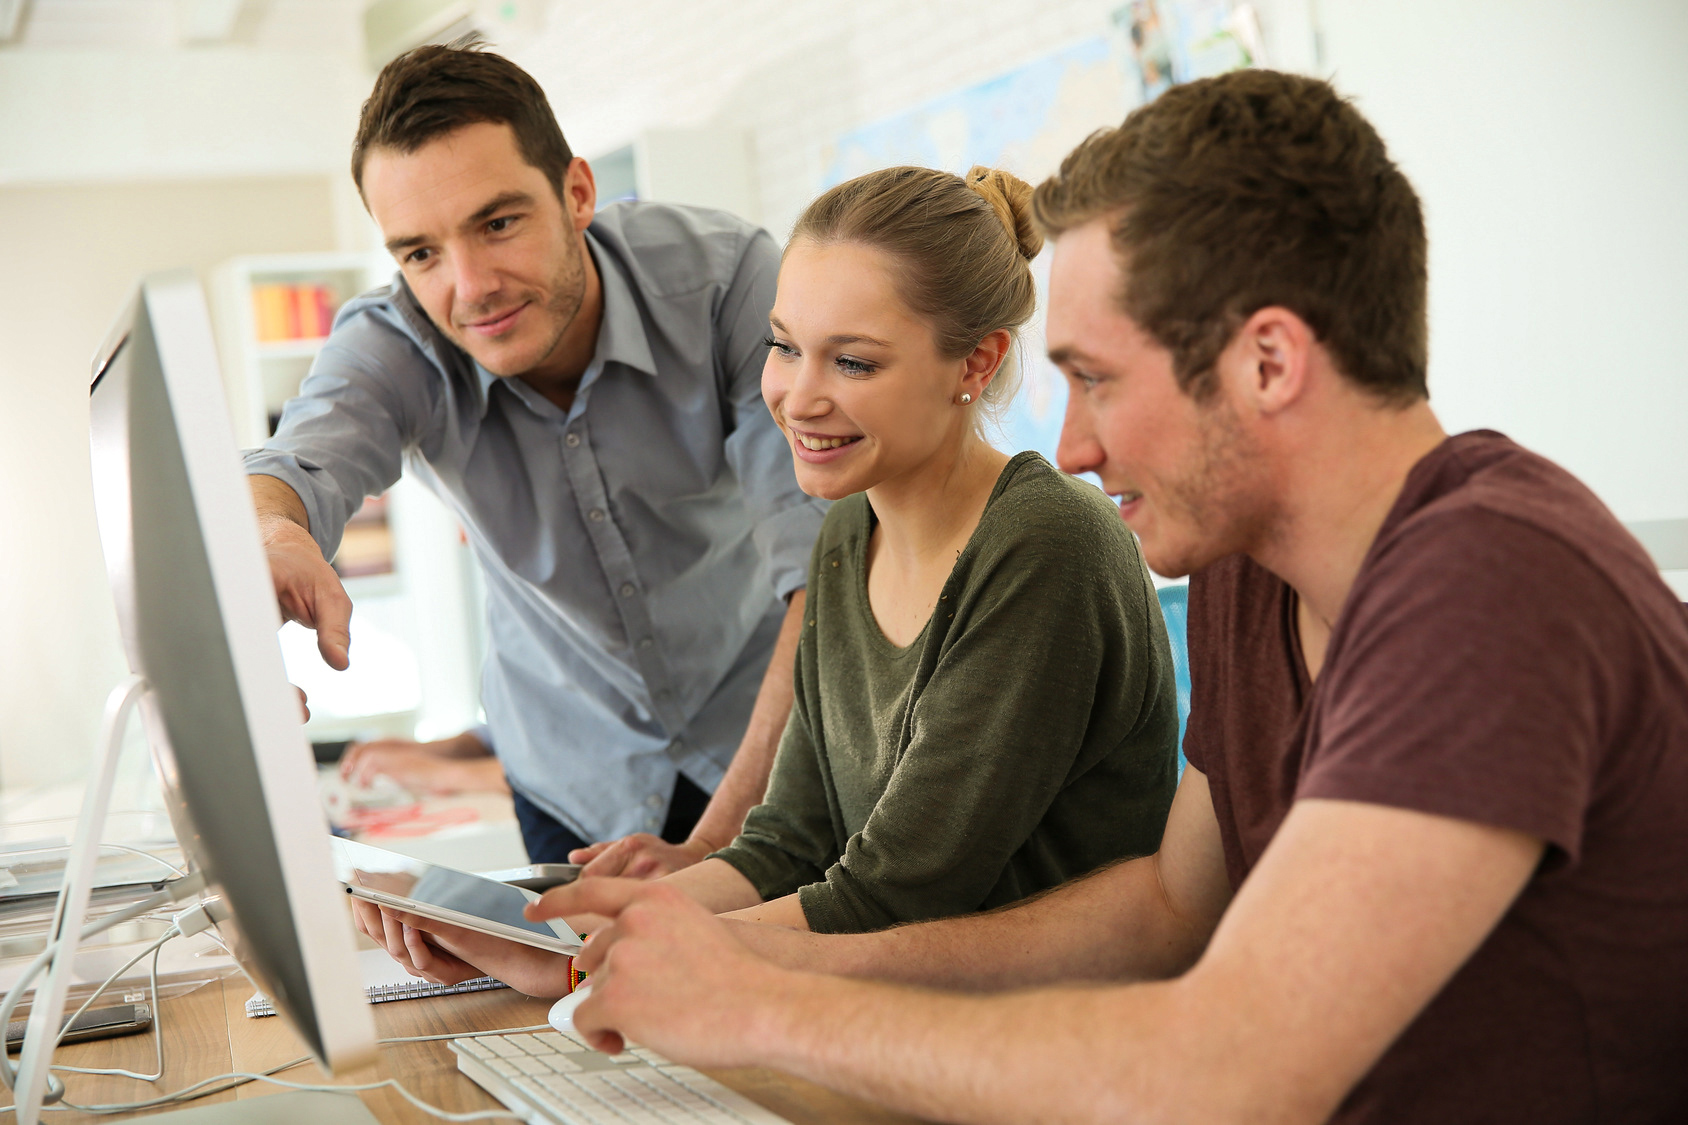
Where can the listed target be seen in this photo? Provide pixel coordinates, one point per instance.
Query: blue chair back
(1175, 607)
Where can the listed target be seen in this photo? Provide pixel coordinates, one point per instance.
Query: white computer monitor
(199, 620)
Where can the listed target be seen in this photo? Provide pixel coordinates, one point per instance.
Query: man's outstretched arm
(306, 587)
(1354, 919)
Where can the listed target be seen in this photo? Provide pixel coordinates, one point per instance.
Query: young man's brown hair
(434, 90)
(1257, 188)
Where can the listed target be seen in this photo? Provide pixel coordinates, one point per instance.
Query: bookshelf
(417, 616)
(273, 314)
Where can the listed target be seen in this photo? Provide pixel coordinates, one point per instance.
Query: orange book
(290, 303)
(267, 307)
(327, 306)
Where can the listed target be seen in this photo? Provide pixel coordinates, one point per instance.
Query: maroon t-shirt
(1508, 655)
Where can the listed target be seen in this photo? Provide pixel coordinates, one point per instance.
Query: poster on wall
(1023, 121)
(1026, 120)
(1176, 41)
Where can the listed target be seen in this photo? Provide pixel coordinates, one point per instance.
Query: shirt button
(652, 823)
(627, 589)
(654, 800)
(596, 515)
(646, 643)
(572, 440)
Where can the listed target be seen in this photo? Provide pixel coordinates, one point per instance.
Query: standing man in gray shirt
(584, 392)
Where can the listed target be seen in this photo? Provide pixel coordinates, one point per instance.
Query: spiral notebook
(385, 979)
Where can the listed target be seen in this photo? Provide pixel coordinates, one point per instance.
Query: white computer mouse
(562, 1012)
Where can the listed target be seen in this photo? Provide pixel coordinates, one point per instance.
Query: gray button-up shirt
(636, 548)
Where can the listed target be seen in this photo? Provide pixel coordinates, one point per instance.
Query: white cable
(241, 1078)
(144, 854)
(174, 893)
(269, 1076)
(157, 1029)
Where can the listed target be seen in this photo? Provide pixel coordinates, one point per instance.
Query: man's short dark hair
(1256, 188)
(434, 90)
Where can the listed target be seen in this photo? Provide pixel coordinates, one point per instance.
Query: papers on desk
(385, 979)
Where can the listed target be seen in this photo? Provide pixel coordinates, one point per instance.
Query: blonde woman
(984, 690)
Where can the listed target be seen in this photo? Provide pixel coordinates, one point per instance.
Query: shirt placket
(628, 592)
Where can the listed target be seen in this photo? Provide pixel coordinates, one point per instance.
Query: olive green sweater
(1027, 735)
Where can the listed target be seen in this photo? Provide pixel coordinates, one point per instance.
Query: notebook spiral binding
(260, 1004)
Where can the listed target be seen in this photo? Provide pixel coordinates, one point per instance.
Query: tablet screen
(427, 884)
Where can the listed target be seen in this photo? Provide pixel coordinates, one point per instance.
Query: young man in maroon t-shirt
(1430, 859)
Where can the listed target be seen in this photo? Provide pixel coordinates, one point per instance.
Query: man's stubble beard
(568, 293)
(1220, 497)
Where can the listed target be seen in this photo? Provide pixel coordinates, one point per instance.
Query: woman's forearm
(716, 884)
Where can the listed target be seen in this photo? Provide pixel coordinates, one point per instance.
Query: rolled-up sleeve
(343, 438)
(787, 520)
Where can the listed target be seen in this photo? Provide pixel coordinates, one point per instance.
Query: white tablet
(447, 895)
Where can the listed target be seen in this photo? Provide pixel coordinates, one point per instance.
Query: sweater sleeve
(787, 841)
(1043, 669)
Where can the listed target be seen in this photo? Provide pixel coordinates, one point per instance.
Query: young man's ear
(1268, 359)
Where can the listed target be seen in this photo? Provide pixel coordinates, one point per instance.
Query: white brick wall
(794, 74)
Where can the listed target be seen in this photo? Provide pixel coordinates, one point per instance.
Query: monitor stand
(47, 1011)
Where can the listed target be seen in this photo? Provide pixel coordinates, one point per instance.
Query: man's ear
(580, 194)
(1269, 359)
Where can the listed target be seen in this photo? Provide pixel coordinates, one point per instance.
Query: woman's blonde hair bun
(1011, 198)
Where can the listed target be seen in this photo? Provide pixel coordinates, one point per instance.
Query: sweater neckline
(859, 562)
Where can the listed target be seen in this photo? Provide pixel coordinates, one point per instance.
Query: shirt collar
(621, 330)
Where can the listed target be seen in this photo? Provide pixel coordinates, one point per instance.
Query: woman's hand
(639, 856)
(447, 954)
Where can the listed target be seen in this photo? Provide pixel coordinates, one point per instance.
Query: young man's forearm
(747, 777)
(983, 1059)
(1142, 919)
(1110, 926)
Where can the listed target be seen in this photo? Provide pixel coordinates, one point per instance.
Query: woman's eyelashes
(852, 366)
(849, 365)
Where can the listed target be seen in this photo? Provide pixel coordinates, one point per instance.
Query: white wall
(69, 258)
(1549, 140)
(1550, 145)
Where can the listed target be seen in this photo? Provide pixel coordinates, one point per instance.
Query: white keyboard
(549, 1077)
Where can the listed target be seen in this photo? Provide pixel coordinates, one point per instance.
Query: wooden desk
(207, 1033)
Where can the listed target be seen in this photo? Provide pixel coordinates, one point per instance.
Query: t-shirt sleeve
(1467, 679)
(1003, 725)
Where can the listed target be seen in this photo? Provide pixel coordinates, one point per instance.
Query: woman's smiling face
(853, 377)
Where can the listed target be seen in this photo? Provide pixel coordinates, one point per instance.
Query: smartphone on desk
(447, 895)
(96, 1023)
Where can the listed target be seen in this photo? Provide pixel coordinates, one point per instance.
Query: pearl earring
(965, 399)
